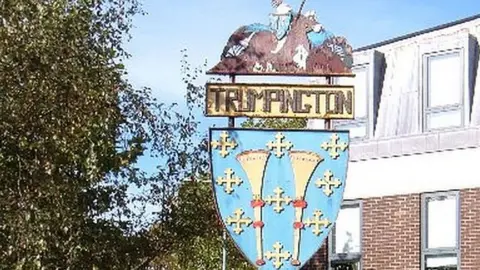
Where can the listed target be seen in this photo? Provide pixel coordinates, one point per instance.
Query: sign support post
(231, 124)
(328, 122)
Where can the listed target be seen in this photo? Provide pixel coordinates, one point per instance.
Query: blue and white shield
(278, 192)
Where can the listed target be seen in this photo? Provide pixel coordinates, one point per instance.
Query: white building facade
(413, 185)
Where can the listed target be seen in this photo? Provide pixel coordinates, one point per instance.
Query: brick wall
(320, 260)
(391, 233)
(470, 230)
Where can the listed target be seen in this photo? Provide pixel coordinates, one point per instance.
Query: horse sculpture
(290, 43)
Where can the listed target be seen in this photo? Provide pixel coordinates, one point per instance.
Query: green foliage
(280, 123)
(72, 129)
(198, 232)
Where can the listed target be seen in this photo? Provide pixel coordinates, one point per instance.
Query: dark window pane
(454, 267)
(346, 266)
(441, 262)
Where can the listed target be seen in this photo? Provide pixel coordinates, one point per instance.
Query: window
(367, 80)
(448, 79)
(358, 127)
(444, 90)
(345, 238)
(440, 231)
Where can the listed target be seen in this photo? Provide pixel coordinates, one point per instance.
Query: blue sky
(203, 26)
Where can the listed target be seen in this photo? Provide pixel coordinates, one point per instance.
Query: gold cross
(229, 181)
(238, 221)
(317, 222)
(327, 182)
(278, 200)
(223, 144)
(279, 145)
(334, 146)
(277, 255)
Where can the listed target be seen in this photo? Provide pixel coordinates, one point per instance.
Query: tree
(198, 232)
(71, 131)
(281, 123)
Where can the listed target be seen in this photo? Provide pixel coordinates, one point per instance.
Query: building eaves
(418, 33)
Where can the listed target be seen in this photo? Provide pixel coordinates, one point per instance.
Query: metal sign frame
(280, 100)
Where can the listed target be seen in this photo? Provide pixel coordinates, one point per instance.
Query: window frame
(463, 44)
(427, 94)
(363, 121)
(372, 60)
(346, 257)
(424, 250)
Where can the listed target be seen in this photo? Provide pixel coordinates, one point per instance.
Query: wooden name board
(280, 100)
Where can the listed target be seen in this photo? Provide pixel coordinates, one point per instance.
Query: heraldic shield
(278, 192)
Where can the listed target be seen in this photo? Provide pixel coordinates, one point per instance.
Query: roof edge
(418, 33)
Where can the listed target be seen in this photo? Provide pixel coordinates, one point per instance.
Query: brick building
(412, 198)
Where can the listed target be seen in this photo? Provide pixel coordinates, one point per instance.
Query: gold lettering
(253, 95)
(216, 99)
(328, 104)
(280, 100)
(286, 101)
(347, 102)
(267, 103)
(232, 95)
(299, 106)
(242, 100)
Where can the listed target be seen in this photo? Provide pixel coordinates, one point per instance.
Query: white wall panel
(413, 174)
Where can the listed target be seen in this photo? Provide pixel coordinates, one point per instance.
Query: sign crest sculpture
(278, 191)
(291, 43)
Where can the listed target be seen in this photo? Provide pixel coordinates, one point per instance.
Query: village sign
(278, 191)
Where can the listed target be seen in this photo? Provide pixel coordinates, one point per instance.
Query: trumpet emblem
(303, 165)
(254, 163)
(278, 192)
